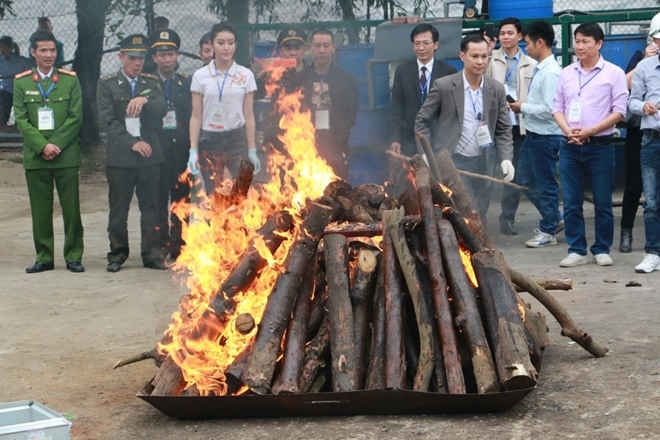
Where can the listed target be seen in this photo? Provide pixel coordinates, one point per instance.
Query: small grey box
(28, 420)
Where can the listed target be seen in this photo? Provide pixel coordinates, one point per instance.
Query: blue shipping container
(499, 9)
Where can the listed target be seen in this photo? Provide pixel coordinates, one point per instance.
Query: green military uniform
(127, 171)
(175, 141)
(60, 92)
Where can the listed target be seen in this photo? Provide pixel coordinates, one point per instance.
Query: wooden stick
(151, 354)
(551, 284)
(423, 315)
(445, 323)
(467, 311)
(465, 173)
(395, 358)
(340, 315)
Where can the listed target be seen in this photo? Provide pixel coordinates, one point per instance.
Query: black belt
(651, 133)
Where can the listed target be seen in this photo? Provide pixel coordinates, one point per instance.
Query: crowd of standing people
(507, 113)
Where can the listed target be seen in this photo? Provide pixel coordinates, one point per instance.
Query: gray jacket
(445, 103)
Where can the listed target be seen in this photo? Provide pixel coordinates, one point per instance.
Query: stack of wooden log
(375, 295)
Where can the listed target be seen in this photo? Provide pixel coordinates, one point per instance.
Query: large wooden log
(340, 315)
(467, 311)
(316, 353)
(362, 289)
(395, 359)
(452, 364)
(502, 317)
(243, 181)
(169, 380)
(368, 229)
(376, 369)
(282, 300)
(296, 336)
(250, 263)
(423, 315)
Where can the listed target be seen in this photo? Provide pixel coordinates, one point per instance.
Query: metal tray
(331, 404)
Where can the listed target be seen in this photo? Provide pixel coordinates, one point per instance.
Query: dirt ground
(62, 332)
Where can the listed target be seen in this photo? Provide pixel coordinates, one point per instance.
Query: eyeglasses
(322, 45)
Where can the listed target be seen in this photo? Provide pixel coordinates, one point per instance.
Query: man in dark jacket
(174, 134)
(131, 109)
(331, 95)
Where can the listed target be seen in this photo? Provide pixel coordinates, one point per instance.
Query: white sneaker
(541, 239)
(650, 263)
(603, 259)
(573, 260)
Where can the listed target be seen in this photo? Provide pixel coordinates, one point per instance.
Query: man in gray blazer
(473, 120)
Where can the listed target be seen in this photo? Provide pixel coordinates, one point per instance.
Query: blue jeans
(650, 161)
(536, 170)
(593, 161)
(478, 189)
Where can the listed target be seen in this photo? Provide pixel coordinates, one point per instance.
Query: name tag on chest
(169, 120)
(46, 119)
(322, 119)
(483, 136)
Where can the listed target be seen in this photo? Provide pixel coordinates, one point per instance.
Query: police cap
(290, 35)
(166, 39)
(134, 45)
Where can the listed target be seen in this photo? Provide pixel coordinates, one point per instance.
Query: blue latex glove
(193, 161)
(254, 158)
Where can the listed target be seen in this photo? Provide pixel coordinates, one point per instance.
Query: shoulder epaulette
(149, 75)
(22, 74)
(182, 75)
(66, 72)
(104, 77)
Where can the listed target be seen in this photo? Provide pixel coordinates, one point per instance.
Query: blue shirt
(646, 87)
(537, 109)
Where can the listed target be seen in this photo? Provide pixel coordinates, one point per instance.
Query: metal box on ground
(28, 420)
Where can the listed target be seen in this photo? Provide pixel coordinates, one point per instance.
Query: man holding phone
(513, 69)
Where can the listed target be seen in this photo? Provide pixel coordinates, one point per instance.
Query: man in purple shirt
(590, 100)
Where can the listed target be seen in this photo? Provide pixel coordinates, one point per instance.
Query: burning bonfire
(306, 284)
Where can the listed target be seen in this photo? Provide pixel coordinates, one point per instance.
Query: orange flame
(467, 265)
(216, 235)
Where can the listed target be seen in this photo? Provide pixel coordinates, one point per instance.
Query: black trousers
(172, 191)
(122, 183)
(511, 196)
(218, 150)
(633, 177)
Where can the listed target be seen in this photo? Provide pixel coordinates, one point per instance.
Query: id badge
(322, 119)
(46, 119)
(575, 112)
(483, 136)
(169, 120)
(133, 126)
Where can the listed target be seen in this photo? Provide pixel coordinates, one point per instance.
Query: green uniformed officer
(131, 108)
(48, 109)
(174, 134)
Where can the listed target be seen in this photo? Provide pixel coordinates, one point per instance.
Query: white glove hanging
(508, 170)
(193, 162)
(254, 158)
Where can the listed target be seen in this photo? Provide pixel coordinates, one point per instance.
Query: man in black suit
(412, 82)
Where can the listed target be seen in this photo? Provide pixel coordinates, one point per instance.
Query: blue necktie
(133, 83)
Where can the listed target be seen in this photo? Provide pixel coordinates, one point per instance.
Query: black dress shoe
(507, 227)
(39, 267)
(625, 245)
(113, 266)
(159, 265)
(75, 266)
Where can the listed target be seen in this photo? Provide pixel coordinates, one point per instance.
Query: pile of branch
(375, 296)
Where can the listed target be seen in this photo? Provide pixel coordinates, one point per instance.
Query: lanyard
(582, 86)
(46, 93)
(478, 114)
(221, 87)
(167, 90)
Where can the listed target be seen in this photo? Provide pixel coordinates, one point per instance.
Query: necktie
(133, 83)
(422, 83)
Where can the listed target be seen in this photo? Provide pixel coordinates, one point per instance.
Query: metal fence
(191, 18)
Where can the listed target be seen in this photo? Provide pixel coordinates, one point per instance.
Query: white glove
(193, 162)
(254, 158)
(507, 170)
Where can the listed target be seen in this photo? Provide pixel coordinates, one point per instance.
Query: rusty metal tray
(332, 404)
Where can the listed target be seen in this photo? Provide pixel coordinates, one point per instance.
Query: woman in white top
(222, 127)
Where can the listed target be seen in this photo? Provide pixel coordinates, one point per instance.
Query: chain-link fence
(191, 18)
